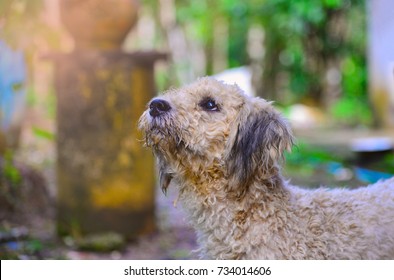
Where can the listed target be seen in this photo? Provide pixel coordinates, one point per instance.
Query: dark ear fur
(259, 144)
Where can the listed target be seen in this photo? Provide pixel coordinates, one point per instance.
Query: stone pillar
(105, 177)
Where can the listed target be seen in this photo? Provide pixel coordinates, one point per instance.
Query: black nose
(158, 107)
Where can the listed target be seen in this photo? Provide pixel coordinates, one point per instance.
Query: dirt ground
(28, 232)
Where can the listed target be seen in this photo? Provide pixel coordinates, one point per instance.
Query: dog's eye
(208, 104)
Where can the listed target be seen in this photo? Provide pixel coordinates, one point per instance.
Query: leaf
(333, 3)
(42, 133)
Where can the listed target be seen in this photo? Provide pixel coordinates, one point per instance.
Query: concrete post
(105, 177)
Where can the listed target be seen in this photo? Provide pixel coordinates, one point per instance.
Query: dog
(223, 151)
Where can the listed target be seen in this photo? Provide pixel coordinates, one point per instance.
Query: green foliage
(9, 171)
(43, 134)
(385, 165)
(388, 163)
(31, 97)
(198, 17)
(315, 166)
(309, 155)
(305, 160)
(10, 179)
(352, 111)
(34, 246)
(303, 41)
(307, 37)
(23, 248)
(48, 103)
(104, 242)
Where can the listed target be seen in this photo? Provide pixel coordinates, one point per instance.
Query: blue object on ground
(333, 167)
(12, 86)
(13, 245)
(362, 174)
(370, 176)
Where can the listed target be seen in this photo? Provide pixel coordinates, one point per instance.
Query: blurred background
(75, 75)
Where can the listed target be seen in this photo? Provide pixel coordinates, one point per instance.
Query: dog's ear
(260, 142)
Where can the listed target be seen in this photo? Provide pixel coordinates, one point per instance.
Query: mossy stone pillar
(104, 175)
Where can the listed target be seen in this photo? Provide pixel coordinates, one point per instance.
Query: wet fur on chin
(225, 162)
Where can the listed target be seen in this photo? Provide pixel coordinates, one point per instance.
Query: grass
(317, 166)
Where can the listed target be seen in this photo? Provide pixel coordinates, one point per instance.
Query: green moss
(104, 242)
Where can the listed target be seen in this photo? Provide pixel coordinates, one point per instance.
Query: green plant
(10, 172)
(10, 179)
(307, 38)
(309, 155)
(43, 134)
(352, 111)
(34, 246)
(314, 51)
(385, 165)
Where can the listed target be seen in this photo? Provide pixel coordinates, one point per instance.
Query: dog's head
(209, 130)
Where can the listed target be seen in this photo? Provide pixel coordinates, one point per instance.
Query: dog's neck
(208, 184)
(210, 211)
(213, 179)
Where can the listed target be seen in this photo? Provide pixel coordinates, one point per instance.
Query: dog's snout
(158, 107)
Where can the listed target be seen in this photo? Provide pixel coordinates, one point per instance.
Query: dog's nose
(158, 107)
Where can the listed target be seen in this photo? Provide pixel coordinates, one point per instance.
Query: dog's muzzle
(159, 107)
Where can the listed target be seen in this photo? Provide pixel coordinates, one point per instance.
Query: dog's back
(355, 224)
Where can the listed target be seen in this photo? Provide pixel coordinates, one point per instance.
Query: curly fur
(225, 163)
